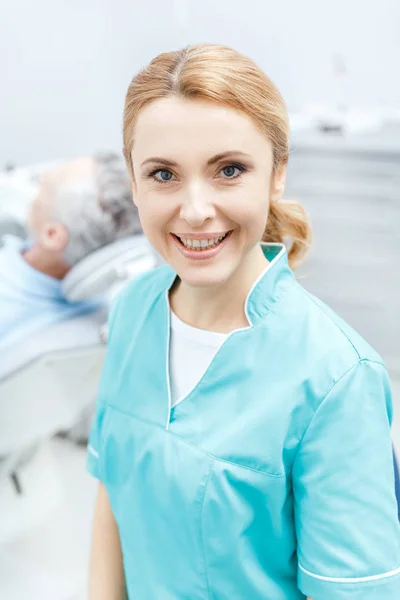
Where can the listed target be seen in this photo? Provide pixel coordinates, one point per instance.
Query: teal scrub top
(273, 479)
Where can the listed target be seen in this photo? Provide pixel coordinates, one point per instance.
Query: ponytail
(288, 219)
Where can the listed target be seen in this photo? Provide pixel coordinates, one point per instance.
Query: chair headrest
(100, 270)
(82, 331)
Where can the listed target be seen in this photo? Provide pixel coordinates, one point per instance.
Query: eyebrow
(213, 160)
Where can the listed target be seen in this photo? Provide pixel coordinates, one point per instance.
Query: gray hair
(99, 211)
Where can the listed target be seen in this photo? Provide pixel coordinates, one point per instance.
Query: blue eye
(161, 175)
(165, 175)
(229, 171)
(232, 171)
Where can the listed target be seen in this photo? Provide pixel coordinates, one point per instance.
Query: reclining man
(82, 205)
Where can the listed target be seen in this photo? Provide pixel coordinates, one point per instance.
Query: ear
(278, 181)
(53, 237)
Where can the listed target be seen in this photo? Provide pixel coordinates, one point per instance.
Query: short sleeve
(93, 449)
(348, 533)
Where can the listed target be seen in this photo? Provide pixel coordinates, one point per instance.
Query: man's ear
(53, 237)
(278, 181)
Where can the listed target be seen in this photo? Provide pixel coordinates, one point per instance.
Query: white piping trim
(351, 579)
(277, 257)
(93, 451)
(267, 268)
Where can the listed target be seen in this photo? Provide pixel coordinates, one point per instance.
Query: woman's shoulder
(327, 352)
(328, 329)
(334, 327)
(324, 343)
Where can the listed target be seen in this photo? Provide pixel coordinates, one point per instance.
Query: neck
(46, 262)
(219, 308)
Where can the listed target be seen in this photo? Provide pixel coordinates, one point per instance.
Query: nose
(197, 205)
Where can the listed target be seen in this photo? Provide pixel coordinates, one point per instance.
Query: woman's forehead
(172, 125)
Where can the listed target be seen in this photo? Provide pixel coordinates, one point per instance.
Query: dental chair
(49, 382)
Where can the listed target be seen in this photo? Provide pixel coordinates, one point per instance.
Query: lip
(200, 236)
(200, 254)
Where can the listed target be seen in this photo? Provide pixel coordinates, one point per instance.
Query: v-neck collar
(270, 284)
(267, 288)
(265, 291)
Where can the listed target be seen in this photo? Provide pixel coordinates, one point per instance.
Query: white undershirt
(191, 352)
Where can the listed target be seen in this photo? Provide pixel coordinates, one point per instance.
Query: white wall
(295, 40)
(65, 64)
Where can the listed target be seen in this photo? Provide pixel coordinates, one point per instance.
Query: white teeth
(202, 244)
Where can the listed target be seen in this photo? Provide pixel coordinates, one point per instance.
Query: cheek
(154, 213)
(249, 208)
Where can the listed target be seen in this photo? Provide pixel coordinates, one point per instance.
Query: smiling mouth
(200, 245)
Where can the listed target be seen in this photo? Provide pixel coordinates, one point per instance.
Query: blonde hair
(220, 74)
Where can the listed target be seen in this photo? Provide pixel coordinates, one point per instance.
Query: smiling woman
(212, 124)
(242, 430)
(226, 187)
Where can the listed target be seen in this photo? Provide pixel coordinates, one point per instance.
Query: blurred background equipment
(350, 186)
(65, 68)
(48, 384)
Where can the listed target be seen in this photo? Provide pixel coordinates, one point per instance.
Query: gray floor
(47, 554)
(352, 194)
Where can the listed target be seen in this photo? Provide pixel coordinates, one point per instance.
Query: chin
(204, 276)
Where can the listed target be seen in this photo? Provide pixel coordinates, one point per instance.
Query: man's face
(40, 213)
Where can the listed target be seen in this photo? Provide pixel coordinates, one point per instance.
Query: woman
(242, 433)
